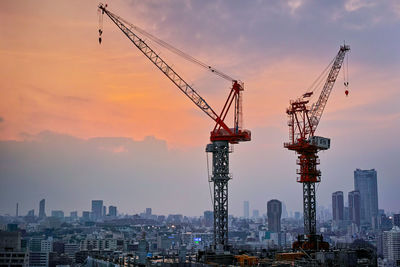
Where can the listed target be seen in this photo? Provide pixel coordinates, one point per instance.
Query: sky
(82, 121)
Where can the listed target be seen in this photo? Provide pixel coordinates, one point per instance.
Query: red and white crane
(303, 122)
(221, 136)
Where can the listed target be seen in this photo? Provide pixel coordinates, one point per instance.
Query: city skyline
(73, 129)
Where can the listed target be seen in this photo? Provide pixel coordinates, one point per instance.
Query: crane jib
(163, 66)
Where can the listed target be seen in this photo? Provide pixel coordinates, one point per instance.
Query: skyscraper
(365, 181)
(274, 212)
(354, 207)
(246, 209)
(97, 209)
(42, 209)
(337, 206)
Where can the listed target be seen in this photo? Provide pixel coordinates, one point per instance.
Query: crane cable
(170, 47)
(209, 181)
(320, 79)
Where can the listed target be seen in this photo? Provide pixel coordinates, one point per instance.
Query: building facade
(365, 181)
(338, 206)
(274, 213)
(97, 209)
(391, 244)
(246, 209)
(42, 209)
(354, 207)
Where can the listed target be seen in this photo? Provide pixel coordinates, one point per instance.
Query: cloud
(354, 5)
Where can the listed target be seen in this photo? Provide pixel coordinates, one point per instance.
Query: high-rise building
(42, 209)
(246, 209)
(86, 215)
(274, 213)
(97, 209)
(354, 207)
(112, 211)
(256, 214)
(208, 218)
(391, 244)
(148, 212)
(31, 213)
(57, 214)
(337, 206)
(396, 220)
(365, 181)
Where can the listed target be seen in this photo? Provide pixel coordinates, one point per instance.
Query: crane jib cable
(173, 49)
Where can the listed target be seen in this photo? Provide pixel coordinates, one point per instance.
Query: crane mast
(221, 136)
(303, 122)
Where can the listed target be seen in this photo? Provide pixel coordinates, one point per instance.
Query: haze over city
(82, 121)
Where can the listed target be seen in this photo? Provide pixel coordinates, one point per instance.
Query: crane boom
(318, 108)
(162, 65)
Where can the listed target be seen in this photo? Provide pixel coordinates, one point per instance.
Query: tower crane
(221, 136)
(303, 121)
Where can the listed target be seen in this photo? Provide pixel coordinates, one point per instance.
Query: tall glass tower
(365, 181)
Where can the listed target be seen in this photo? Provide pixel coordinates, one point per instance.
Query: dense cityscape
(357, 230)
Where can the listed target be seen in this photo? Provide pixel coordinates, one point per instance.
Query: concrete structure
(338, 206)
(97, 209)
(274, 213)
(98, 244)
(365, 181)
(354, 207)
(42, 209)
(391, 244)
(246, 209)
(46, 246)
